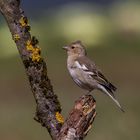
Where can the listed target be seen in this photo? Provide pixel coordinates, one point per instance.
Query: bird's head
(75, 48)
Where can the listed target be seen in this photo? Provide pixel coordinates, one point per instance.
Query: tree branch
(48, 107)
(47, 102)
(80, 119)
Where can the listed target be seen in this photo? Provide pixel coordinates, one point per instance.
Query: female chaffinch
(85, 73)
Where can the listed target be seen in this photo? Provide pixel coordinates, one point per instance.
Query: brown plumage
(85, 73)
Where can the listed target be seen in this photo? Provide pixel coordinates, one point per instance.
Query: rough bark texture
(80, 119)
(47, 102)
(48, 107)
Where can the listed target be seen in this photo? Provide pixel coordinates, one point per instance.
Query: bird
(85, 73)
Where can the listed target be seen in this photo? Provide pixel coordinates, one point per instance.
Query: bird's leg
(88, 93)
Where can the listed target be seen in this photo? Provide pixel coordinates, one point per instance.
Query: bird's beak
(65, 47)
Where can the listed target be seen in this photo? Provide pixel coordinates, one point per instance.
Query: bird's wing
(89, 67)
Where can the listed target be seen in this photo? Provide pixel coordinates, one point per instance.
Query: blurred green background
(111, 32)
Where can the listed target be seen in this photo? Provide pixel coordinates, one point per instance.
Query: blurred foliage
(112, 38)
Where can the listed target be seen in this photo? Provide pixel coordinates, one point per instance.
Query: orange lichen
(36, 54)
(59, 117)
(35, 51)
(16, 37)
(23, 21)
(29, 46)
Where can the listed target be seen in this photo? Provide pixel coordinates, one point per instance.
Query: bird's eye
(72, 47)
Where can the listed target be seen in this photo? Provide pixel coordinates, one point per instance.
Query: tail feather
(110, 93)
(111, 86)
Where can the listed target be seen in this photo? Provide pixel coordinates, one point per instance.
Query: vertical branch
(29, 50)
(48, 107)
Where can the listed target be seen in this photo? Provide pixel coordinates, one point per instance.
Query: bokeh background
(111, 32)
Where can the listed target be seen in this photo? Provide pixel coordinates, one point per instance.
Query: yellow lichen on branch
(16, 37)
(35, 51)
(36, 54)
(23, 21)
(59, 117)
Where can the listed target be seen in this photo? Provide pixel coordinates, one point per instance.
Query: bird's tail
(111, 95)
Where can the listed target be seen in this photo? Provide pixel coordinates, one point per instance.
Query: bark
(48, 108)
(79, 120)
